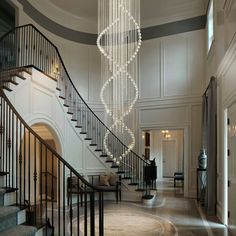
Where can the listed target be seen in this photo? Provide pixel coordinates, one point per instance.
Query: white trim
(227, 60)
(225, 170)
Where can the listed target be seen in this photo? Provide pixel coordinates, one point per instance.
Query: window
(210, 25)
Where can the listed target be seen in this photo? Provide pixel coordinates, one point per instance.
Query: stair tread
(98, 150)
(88, 139)
(109, 161)
(115, 166)
(20, 230)
(104, 155)
(13, 81)
(6, 87)
(120, 172)
(9, 189)
(3, 173)
(21, 207)
(8, 210)
(19, 76)
(92, 144)
(14, 71)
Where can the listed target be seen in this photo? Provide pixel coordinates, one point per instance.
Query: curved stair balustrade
(38, 177)
(25, 47)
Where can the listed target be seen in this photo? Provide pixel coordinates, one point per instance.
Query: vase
(202, 159)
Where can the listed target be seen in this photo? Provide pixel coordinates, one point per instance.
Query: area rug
(124, 223)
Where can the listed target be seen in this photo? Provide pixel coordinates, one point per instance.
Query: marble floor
(170, 215)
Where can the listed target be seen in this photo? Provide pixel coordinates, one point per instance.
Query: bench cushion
(104, 180)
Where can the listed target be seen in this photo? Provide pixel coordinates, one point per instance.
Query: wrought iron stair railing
(25, 47)
(38, 177)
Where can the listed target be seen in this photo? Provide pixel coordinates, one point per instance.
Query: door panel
(169, 158)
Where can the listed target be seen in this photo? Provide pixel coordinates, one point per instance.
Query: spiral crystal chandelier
(119, 41)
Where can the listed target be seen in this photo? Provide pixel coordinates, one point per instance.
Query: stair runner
(8, 220)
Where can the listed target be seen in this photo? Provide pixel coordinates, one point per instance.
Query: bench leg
(68, 198)
(81, 199)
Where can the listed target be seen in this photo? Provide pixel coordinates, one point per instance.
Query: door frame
(186, 147)
(227, 157)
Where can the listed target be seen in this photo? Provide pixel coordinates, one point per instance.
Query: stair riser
(9, 199)
(21, 217)
(40, 232)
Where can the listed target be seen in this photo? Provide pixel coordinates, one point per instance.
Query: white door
(232, 170)
(169, 158)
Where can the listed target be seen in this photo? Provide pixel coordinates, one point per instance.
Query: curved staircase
(25, 47)
(21, 49)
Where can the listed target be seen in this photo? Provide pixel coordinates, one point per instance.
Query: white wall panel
(78, 66)
(74, 148)
(23, 103)
(164, 115)
(192, 180)
(92, 163)
(229, 82)
(58, 114)
(150, 69)
(196, 62)
(94, 74)
(42, 102)
(176, 66)
(230, 20)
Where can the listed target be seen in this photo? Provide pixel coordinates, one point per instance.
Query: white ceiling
(153, 12)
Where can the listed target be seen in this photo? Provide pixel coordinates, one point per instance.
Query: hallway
(170, 215)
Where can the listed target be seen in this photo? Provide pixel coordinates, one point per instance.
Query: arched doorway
(48, 172)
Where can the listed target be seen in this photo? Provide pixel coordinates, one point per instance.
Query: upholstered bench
(108, 183)
(178, 176)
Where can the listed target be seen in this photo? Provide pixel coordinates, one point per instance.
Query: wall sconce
(166, 134)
